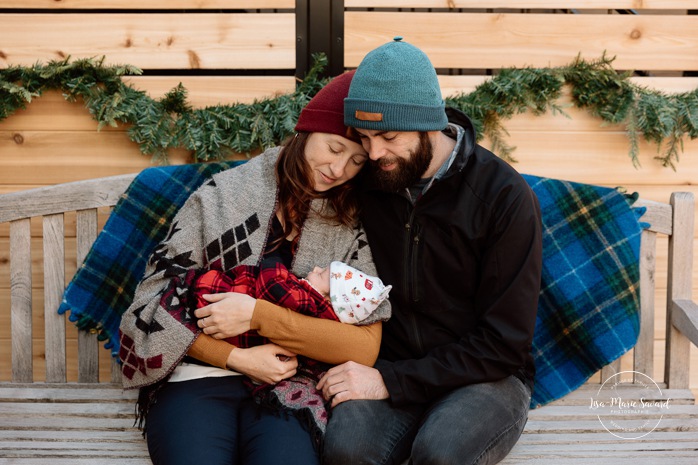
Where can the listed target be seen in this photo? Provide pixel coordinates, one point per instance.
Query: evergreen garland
(212, 133)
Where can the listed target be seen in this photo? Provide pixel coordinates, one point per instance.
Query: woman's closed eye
(359, 160)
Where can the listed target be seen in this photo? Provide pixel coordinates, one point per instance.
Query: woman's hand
(267, 363)
(228, 314)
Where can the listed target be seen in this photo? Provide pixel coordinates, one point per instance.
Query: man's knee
(477, 424)
(367, 432)
(338, 453)
(344, 433)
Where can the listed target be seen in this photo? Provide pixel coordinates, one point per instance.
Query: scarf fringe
(268, 399)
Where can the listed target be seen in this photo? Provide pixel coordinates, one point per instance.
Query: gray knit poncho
(223, 224)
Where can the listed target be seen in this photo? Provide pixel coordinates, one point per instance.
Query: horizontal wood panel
(471, 40)
(598, 158)
(60, 156)
(150, 4)
(55, 156)
(582, 4)
(152, 40)
(204, 91)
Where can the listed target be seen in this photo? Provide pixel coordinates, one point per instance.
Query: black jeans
(475, 424)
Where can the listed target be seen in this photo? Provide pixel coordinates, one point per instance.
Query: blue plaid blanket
(103, 287)
(588, 308)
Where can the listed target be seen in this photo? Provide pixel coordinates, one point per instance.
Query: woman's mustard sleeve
(212, 351)
(320, 339)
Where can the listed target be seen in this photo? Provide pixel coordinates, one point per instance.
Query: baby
(338, 292)
(353, 294)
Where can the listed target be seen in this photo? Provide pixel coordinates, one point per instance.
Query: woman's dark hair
(296, 191)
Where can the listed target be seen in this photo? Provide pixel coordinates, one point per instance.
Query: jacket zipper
(411, 244)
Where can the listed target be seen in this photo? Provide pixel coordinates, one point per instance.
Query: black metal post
(319, 28)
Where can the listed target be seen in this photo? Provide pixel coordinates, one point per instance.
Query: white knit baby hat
(355, 294)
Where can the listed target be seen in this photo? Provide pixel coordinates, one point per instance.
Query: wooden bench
(89, 421)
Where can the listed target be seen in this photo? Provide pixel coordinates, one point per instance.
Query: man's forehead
(371, 132)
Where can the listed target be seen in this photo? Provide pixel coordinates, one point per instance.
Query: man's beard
(407, 172)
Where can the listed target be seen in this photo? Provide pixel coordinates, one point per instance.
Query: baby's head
(319, 278)
(353, 293)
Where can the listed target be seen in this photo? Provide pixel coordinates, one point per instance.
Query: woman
(294, 205)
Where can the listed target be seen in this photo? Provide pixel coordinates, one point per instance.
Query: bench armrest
(685, 319)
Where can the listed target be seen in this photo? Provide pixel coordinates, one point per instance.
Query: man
(457, 232)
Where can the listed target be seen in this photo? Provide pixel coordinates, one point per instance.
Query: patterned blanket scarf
(588, 308)
(274, 283)
(103, 287)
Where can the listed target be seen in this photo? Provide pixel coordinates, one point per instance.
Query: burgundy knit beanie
(325, 111)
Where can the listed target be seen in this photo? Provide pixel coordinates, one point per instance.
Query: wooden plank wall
(216, 47)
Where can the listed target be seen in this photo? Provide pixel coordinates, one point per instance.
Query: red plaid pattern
(270, 282)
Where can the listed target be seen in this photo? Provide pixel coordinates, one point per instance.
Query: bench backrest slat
(644, 349)
(21, 300)
(679, 287)
(54, 285)
(88, 346)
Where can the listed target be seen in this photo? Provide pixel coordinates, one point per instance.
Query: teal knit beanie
(395, 88)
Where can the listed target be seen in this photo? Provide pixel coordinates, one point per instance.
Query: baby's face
(320, 279)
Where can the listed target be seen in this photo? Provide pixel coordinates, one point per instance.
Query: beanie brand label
(368, 116)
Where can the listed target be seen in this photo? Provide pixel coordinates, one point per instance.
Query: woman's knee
(195, 422)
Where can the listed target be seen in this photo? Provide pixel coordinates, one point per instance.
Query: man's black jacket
(465, 264)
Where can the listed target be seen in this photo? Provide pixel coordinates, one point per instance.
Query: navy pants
(214, 421)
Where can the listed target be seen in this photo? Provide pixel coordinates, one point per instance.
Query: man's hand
(350, 381)
(228, 314)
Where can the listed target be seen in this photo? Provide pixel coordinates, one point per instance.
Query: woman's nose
(338, 166)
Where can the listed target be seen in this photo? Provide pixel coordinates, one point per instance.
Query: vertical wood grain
(679, 287)
(21, 300)
(115, 371)
(88, 346)
(54, 285)
(644, 349)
